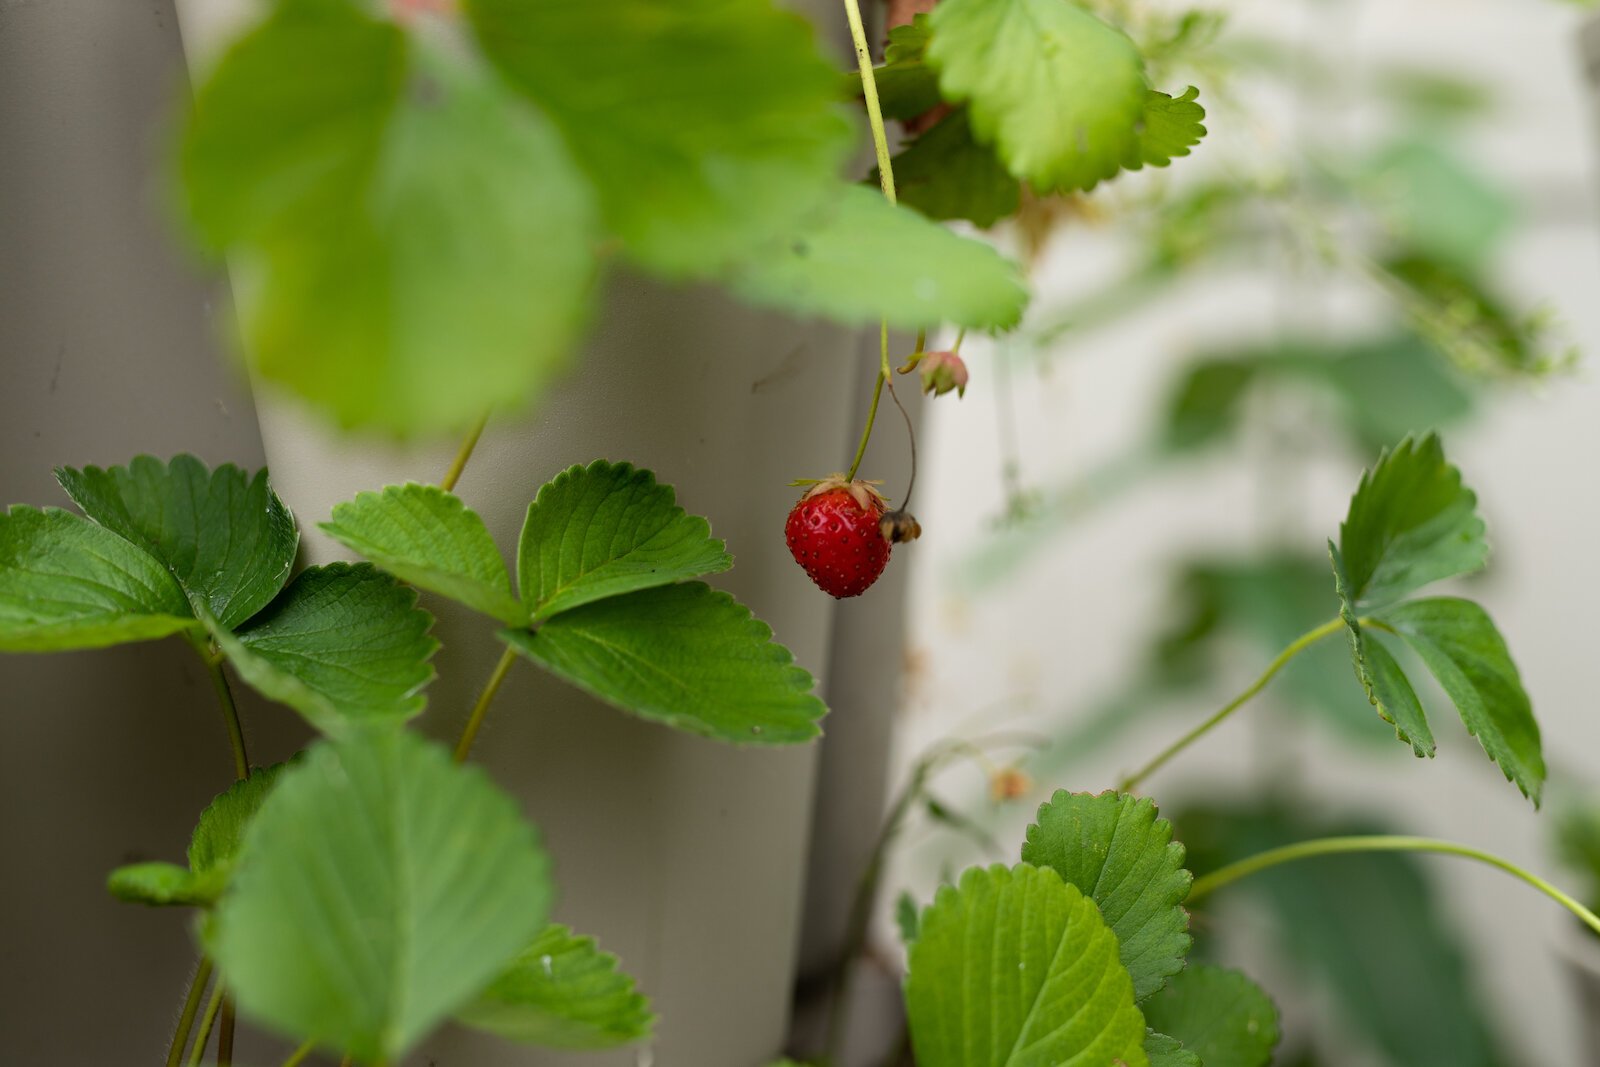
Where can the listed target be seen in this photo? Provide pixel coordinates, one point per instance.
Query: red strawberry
(833, 533)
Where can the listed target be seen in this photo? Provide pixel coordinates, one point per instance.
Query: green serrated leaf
(1219, 1015)
(426, 536)
(380, 887)
(225, 536)
(866, 259)
(1411, 522)
(1460, 645)
(1170, 128)
(562, 992)
(1167, 1051)
(1116, 851)
(339, 162)
(215, 842)
(945, 174)
(605, 529)
(705, 126)
(345, 645)
(685, 655)
(1385, 683)
(158, 885)
(1015, 967)
(66, 583)
(1056, 91)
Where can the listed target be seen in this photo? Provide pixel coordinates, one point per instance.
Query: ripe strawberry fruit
(833, 533)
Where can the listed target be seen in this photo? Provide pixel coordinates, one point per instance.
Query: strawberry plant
(419, 203)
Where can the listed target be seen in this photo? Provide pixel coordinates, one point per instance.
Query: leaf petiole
(1331, 846)
(481, 708)
(1297, 646)
(459, 464)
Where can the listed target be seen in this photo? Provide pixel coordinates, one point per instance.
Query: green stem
(191, 1004)
(481, 708)
(198, 1050)
(459, 464)
(225, 1034)
(880, 147)
(1299, 645)
(230, 715)
(298, 1055)
(1332, 846)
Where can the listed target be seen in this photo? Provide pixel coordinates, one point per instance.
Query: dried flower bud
(1010, 783)
(900, 526)
(942, 372)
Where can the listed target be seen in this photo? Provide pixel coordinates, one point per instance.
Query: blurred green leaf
(1055, 90)
(1015, 967)
(1218, 1014)
(685, 655)
(906, 917)
(865, 259)
(1170, 127)
(380, 888)
(1167, 1051)
(345, 645)
(428, 537)
(562, 992)
(1459, 314)
(410, 244)
(1436, 203)
(1367, 928)
(66, 583)
(945, 174)
(158, 885)
(1115, 850)
(707, 128)
(605, 529)
(906, 85)
(225, 536)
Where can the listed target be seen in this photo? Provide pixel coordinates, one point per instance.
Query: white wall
(1044, 646)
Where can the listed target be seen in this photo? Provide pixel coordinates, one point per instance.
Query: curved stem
(1332, 846)
(198, 1050)
(481, 708)
(230, 715)
(459, 464)
(298, 1055)
(191, 1004)
(1299, 645)
(866, 434)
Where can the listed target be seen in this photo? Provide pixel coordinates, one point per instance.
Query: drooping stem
(191, 1004)
(203, 1035)
(459, 464)
(298, 1055)
(1332, 846)
(225, 1034)
(1299, 645)
(230, 715)
(481, 708)
(866, 433)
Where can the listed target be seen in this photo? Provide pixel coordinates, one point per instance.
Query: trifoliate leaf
(159, 885)
(945, 174)
(864, 259)
(608, 528)
(1219, 1015)
(1385, 683)
(1056, 91)
(684, 655)
(1120, 855)
(340, 165)
(562, 992)
(1167, 1051)
(380, 887)
(1171, 126)
(1015, 967)
(345, 645)
(428, 537)
(1466, 654)
(67, 583)
(707, 127)
(1411, 522)
(225, 536)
